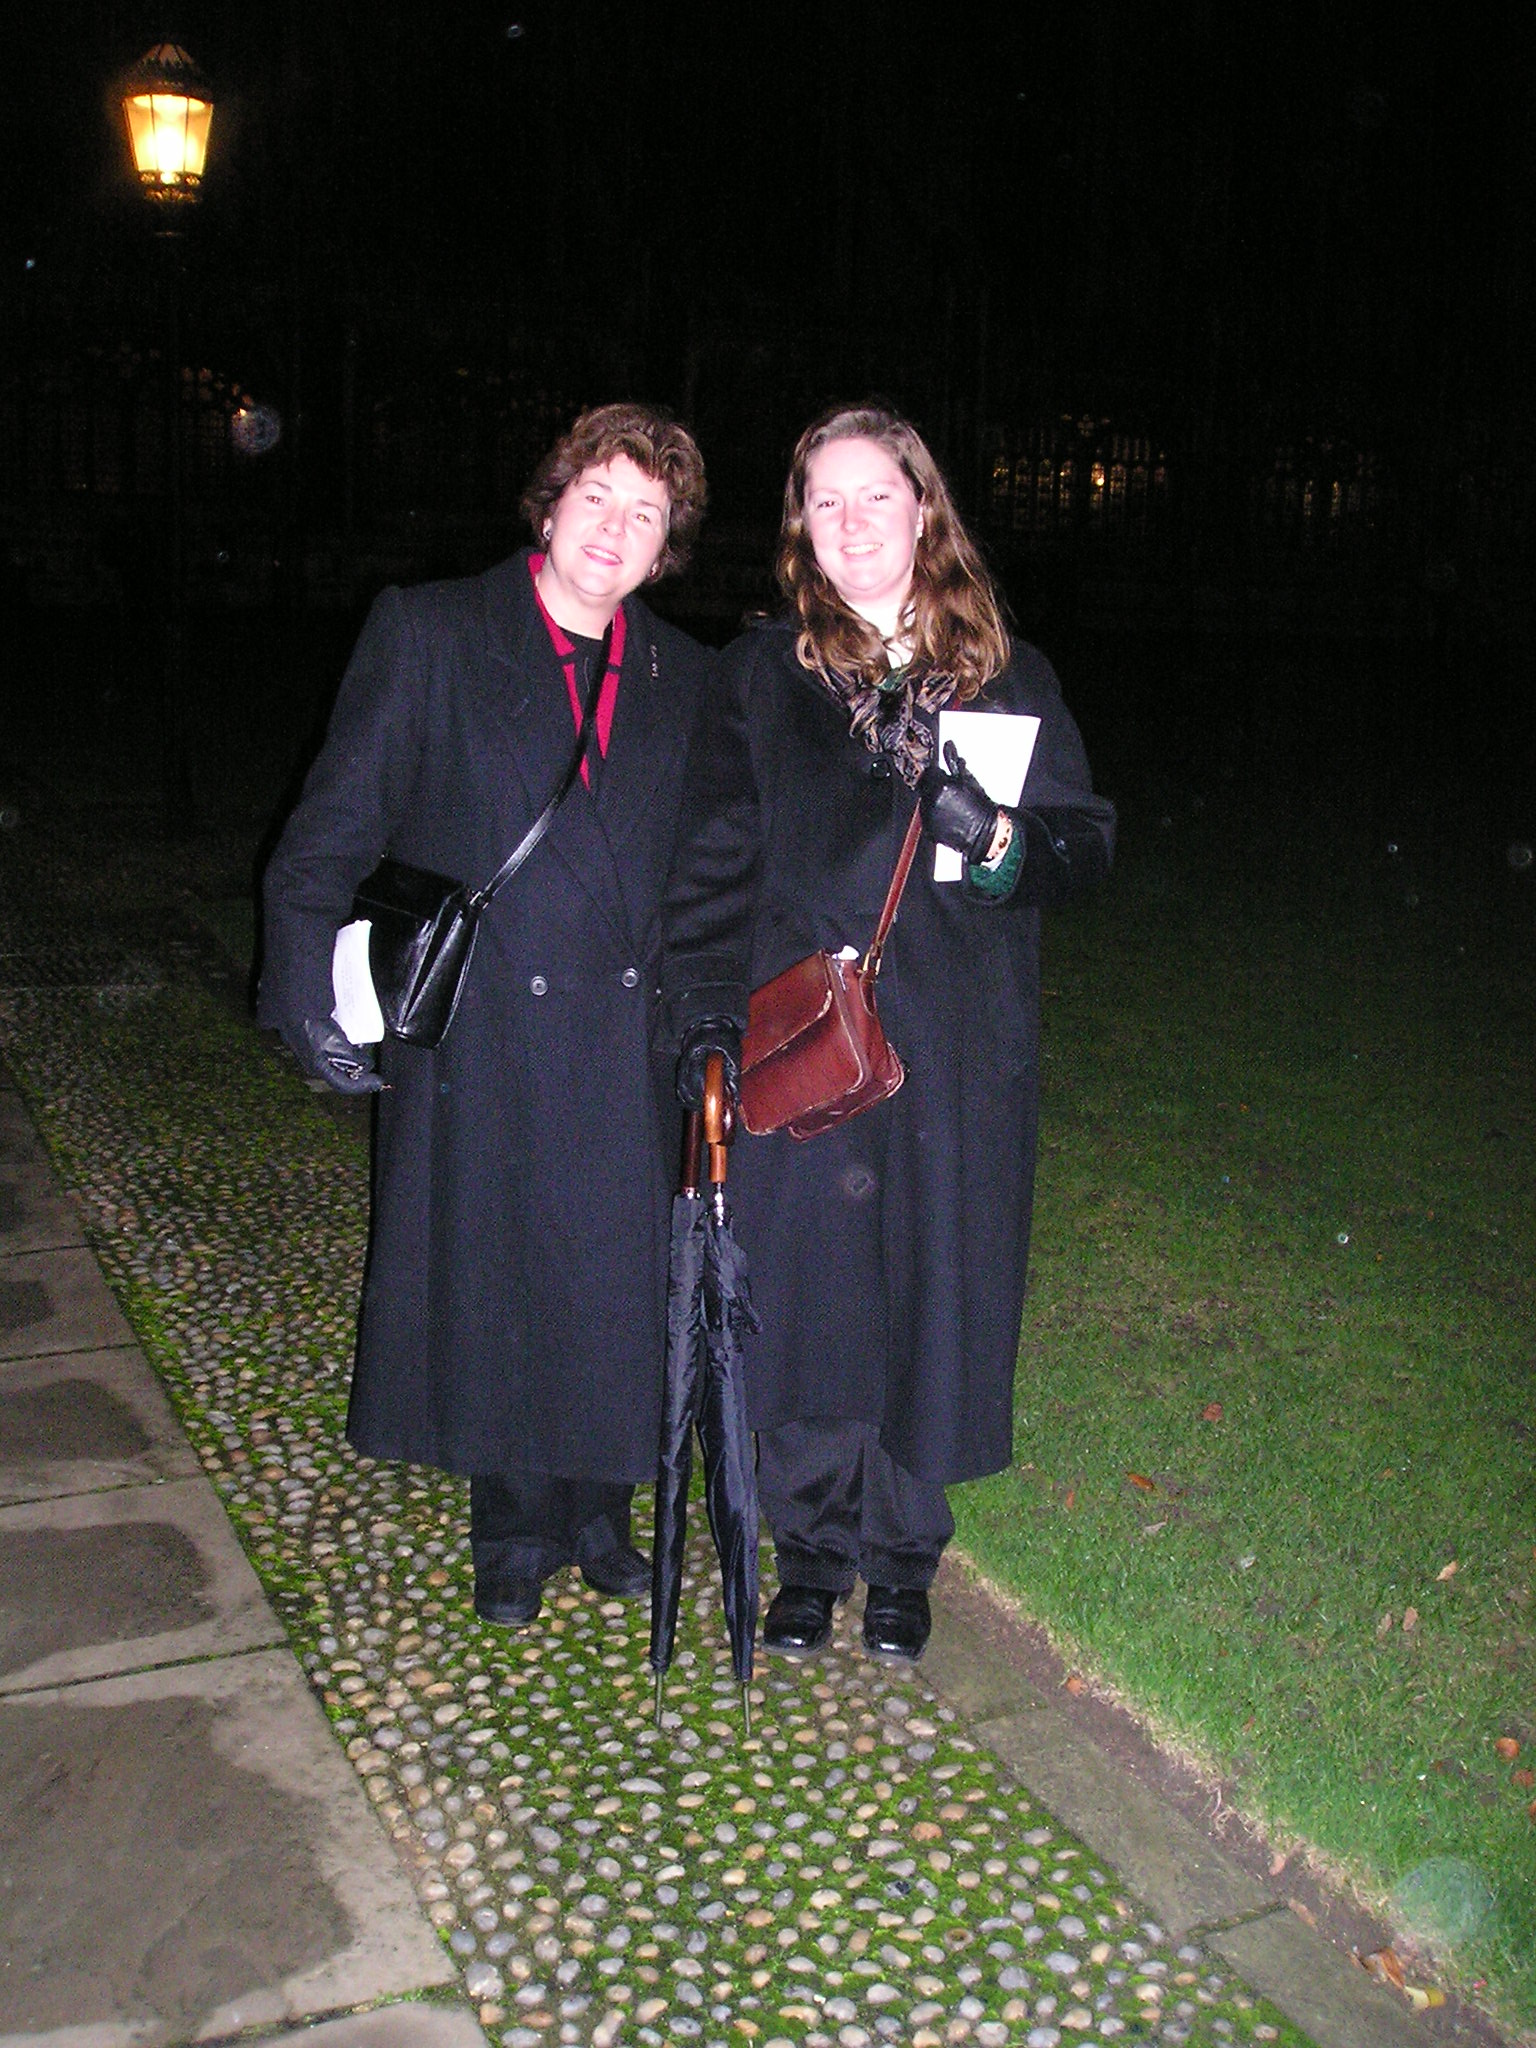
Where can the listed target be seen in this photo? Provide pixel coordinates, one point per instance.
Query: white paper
(357, 1004)
(996, 747)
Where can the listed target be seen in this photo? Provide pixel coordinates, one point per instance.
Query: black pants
(841, 1510)
(526, 1525)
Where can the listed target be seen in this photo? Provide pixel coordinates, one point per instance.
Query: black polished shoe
(621, 1572)
(799, 1620)
(510, 1603)
(896, 1622)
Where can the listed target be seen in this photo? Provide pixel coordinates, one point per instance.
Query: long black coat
(888, 1256)
(513, 1306)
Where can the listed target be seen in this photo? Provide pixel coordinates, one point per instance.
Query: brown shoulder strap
(869, 967)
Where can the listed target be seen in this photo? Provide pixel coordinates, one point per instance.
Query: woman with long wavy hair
(888, 1254)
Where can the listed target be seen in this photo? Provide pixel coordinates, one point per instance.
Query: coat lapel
(646, 734)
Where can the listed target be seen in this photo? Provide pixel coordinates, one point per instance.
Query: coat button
(630, 977)
(538, 986)
(880, 769)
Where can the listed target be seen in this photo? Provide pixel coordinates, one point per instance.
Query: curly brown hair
(957, 628)
(654, 442)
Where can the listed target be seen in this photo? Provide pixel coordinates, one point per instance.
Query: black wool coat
(887, 1256)
(513, 1305)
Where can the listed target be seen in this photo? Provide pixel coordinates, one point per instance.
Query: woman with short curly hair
(511, 1324)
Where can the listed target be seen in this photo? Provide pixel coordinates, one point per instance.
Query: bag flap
(396, 889)
(785, 1008)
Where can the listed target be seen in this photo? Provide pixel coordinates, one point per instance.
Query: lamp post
(168, 111)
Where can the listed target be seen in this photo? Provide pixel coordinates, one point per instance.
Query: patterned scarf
(885, 716)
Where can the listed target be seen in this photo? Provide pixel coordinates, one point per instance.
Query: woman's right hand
(710, 1034)
(326, 1054)
(956, 810)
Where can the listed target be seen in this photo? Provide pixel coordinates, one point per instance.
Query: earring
(548, 530)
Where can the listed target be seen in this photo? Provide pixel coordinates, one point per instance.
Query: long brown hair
(957, 628)
(654, 443)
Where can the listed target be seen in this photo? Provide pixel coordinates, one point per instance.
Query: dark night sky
(1317, 211)
(1307, 164)
(1231, 227)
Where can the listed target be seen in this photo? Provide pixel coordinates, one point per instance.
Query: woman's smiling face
(605, 537)
(863, 518)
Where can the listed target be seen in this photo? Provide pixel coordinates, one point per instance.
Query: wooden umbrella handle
(718, 1118)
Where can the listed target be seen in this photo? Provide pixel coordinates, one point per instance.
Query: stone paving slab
(97, 1583)
(34, 1215)
(85, 1421)
(1184, 1877)
(56, 1301)
(18, 1140)
(190, 1856)
(1317, 1987)
(35, 1212)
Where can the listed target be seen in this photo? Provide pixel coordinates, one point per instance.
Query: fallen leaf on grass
(1506, 1749)
(1410, 1620)
(1075, 1684)
(1447, 1571)
(1384, 1627)
(1530, 1811)
(1277, 1863)
(1071, 1499)
(1303, 1913)
(1153, 1528)
(1145, 1485)
(1421, 1996)
(1385, 1965)
(1525, 1779)
(1211, 1412)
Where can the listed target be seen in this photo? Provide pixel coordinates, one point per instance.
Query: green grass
(1287, 1170)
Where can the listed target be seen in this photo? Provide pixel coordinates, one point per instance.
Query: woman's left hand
(956, 810)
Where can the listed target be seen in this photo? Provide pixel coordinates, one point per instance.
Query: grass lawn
(1273, 1477)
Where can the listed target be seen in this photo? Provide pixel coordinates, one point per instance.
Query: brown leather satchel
(815, 1053)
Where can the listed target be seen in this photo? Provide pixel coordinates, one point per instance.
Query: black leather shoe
(511, 1603)
(799, 1620)
(621, 1572)
(896, 1622)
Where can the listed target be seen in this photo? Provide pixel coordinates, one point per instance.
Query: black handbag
(423, 926)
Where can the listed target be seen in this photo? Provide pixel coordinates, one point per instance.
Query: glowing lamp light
(168, 108)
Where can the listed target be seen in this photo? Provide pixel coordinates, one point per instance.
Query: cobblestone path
(857, 1870)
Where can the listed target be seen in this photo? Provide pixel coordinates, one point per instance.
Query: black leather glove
(710, 1034)
(956, 809)
(326, 1054)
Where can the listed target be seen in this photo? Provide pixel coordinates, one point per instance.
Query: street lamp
(168, 108)
(168, 111)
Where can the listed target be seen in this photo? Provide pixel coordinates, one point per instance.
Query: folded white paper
(357, 1004)
(997, 748)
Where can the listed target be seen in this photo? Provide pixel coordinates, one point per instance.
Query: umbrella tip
(661, 1680)
(746, 1707)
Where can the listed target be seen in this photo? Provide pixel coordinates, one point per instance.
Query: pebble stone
(856, 1870)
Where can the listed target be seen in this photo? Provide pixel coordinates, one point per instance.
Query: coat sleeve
(352, 802)
(711, 892)
(1066, 829)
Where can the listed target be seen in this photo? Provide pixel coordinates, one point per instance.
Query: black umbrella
(709, 1308)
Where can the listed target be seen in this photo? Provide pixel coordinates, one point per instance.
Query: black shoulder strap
(561, 790)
